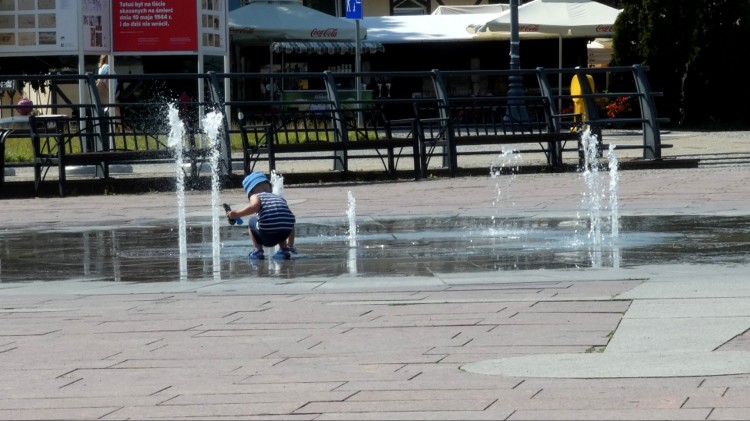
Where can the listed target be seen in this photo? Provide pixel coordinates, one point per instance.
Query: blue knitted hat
(252, 180)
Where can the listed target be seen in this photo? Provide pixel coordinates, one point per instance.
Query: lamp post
(516, 110)
(515, 58)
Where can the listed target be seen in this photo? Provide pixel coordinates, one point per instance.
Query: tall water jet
(614, 181)
(597, 197)
(351, 214)
(212, 123)
(175, 141)
(614, 206)
(592, 196)
(277, 188)
(506, 169)
(593, 192)
(277, 183)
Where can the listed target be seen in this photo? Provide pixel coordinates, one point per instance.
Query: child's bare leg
(290, 239)
(288, 242)
(256, 243)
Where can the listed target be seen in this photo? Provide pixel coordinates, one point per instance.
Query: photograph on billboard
(213, 26)
(96, 26)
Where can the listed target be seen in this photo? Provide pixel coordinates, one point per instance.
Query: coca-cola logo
(324, 33)
(528, 28)
(604, 28)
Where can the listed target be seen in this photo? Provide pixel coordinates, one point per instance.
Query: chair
(49, 135)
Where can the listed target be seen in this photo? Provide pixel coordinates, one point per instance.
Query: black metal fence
(303, 107)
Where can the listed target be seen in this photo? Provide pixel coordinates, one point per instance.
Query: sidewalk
(652, 342)
(680, 149)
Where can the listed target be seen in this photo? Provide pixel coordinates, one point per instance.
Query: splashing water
(614, 181)
(351, 214)
(614, 206)
(175, 141)
(595, 195)
(592, 196)
(212, 123)
(277, 188)
(277, 183)
(509, 162)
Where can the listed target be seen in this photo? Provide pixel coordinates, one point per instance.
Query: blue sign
(354, 9)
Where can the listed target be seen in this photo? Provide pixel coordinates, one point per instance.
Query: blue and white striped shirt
(274, 213)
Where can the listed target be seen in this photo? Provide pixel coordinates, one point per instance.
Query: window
(410, 7)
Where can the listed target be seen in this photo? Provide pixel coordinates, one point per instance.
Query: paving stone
(272, 346)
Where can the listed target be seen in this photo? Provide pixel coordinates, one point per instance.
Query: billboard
(39, 26)
(154, 26)
(58, 27)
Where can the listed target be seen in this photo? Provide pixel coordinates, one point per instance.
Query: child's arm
(251, 208)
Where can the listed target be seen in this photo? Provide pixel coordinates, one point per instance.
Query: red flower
(618, 106)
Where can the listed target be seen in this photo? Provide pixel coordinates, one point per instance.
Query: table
(14, 126)
(14, 123)
(9, 125)
(304, 96)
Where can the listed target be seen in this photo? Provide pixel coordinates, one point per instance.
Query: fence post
(450, 159)
(589, 103)
(554, 148)
(651, 135)
(340, 134)
(218, 103)
(102, 128)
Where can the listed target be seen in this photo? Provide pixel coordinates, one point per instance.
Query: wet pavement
(380, 247)
(466, 298)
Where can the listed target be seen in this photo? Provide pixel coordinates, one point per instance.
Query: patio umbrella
(553, 19)
(563, 18)
(279, 20)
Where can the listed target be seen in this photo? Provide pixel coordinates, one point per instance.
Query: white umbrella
(600, 52)
(553, 19)
(565, 18)
(422, 28)
(266, 21)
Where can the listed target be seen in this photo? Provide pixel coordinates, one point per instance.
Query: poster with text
(154, 25)
(96, 26)
(39, 26)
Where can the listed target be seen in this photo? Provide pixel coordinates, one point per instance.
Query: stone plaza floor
(627, 341)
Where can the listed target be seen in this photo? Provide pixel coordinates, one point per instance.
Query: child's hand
(229, 211)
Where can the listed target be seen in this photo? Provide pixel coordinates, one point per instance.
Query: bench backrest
(49, 133)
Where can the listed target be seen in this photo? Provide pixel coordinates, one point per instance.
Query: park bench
(64, 141)
(647, 119)
(322, 132)
(496, 122)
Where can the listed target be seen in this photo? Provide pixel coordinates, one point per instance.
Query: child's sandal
(256, 255)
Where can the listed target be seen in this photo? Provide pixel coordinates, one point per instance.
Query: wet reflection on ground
(399, 247)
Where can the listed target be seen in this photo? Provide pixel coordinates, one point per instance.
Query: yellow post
(579, 106)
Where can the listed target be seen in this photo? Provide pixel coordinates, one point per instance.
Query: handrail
(386, 89)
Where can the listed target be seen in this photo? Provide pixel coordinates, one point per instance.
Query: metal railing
(470, 99)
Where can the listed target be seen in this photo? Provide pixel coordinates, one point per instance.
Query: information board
(39, 26)
(354, 9)
(154, 26)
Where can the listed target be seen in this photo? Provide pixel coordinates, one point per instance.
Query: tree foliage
(714, 82)
(691, 50)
